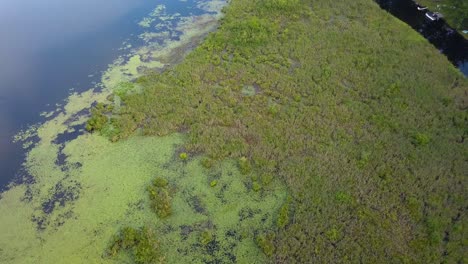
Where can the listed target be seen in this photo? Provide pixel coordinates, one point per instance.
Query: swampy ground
(298, 132)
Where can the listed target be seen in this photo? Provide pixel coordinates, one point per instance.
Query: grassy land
(359, 115)
(454, 11)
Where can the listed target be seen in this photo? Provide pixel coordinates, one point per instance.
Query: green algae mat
(298, 132)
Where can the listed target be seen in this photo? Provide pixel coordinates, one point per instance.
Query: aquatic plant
(213, 183)
(206, 237)
(160, 182)
(339, 104)
(159, 197)
(98, 117)
(140, 243)
(183, 156)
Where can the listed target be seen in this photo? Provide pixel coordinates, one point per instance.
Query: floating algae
(102, 181)
(82, 191)
(211, 224)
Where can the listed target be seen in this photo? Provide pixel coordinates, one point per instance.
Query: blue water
(49, 47)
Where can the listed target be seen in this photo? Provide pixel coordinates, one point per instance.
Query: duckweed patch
(204, 225)
(83, 205)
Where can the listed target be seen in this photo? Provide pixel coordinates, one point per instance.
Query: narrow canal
(447, 40)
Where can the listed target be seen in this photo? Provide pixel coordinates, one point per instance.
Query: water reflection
(48, 47)
(27, 26)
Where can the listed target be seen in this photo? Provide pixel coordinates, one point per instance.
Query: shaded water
(447, 40)
(48, 49)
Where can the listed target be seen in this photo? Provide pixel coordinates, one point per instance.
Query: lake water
(48, 48)
(445, 39)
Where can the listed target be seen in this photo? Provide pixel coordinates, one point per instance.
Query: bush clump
(140, 243)
(98, 117)
(159, 197)
(265, 243)
(420, 139)
(245, 166)
(283, 216)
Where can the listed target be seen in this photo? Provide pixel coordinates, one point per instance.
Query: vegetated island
(363, 120)
(455, 12)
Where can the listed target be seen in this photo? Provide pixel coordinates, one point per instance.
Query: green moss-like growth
(206, 237)
(265, 242)
(213, 183)
(140, 243)
(159, 197)
(183, 156)
(123, 88)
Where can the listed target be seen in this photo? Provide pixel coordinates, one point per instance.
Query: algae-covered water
(51, 49)
(77, 189)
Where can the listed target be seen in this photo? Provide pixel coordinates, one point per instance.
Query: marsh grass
(353, 116)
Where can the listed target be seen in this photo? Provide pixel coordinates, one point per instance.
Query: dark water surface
(47, 48)
(448, 41)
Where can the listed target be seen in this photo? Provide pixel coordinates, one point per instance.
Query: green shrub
(207, 163)
(283, 6)
(420, 139)
(283, 216)
(251, 32)
(245, 166)
(333, 234)
(266, 243)
(160, 182)
(206, 237)
(256, 186)
(140, 243)
(98, 118)
(160, 200)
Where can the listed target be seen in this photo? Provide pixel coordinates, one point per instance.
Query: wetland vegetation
(361, 118)
(299, 131)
